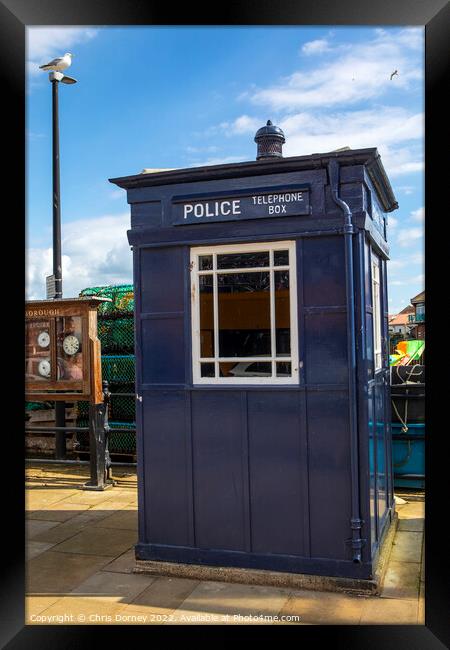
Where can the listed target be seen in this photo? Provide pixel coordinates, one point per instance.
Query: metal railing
(416, 318)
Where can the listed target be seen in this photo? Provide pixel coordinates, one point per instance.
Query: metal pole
(60, 407)
(57, 268)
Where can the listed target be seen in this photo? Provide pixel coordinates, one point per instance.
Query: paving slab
(88, 498)
(231, 603)
(123, 587)
(82, 562)
(324, 608)
(37, 604)
(422, 567)
(123, 563)
(412, 510)
(407, 547)
(56, 512)
(59, 533)
(119, 503)
(99, 541)
(74, 610)
(35, 527)
(36, 497)
(421, 607)
(126, 519)
(58, 573)
(412, 525)
(389, 611)
(164, 595)
(401, 580)
(33, 549)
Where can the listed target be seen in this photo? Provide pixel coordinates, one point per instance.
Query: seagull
(393, 74)
(58, 64)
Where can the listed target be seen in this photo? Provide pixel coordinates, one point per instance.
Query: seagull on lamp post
(58, 64)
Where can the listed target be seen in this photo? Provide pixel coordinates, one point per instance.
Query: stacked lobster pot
(116, 334)
(408, 426)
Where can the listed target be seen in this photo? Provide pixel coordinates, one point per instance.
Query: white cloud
(45, 43)
(318, 46)
(394, 265)
(219, 161)
(392, 222)
(418, 215)
(399, 160)
(355, 74)
(242, 124)
(408, 236)
(117, 194)
(416, 258)
(406, 189)
(386, 127)
(95, 252)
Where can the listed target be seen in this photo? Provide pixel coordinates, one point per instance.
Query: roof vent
(270, 140)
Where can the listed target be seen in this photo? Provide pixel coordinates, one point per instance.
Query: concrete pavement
(80, 563)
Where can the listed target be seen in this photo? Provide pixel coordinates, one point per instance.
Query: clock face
(44, 368)
(43, 339)
(71, 344)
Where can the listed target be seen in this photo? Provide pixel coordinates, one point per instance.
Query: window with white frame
(376, 306)
(244, 314)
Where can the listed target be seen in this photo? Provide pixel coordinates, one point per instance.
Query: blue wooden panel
(162, 276)
(381, 447)
(218, 470)
(276, 467)
(323, 271)
(372, 468)
(146, 214)
(329, 474)
(163, 351)
(226, 475)
(367, 274)
(167, 486)
(326, 348)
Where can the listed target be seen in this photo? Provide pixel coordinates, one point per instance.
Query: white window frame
(196, 252)
(377, 313)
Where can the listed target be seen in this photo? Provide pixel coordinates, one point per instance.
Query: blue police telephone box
(263, 410)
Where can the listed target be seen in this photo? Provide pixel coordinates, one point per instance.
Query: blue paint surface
(258, 476)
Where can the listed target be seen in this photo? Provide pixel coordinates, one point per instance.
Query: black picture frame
(15, 15)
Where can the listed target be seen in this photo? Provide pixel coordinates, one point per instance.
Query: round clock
(71, 344)
(43, 339)
(44, 368)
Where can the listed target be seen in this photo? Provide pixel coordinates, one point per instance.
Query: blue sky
(153, 97)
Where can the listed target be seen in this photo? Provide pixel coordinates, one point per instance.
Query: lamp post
(55, 78)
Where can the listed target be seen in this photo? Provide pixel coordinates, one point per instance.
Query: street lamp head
(68, 80)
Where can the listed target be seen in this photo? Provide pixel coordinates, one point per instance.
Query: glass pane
(69, 348)
(243, 260)
(244, 314)
(281, 258)
(206, 316)
(282, 313)
(207, 370)
(205, 262)
(245, 369)
(37, 351)
(284, 369)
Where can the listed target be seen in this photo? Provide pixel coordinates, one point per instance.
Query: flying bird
(58, 64)
(393, 74)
